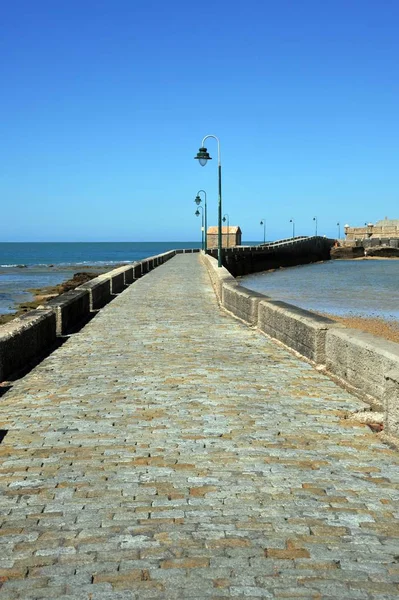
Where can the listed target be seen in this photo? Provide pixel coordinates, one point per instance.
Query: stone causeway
(169, 451)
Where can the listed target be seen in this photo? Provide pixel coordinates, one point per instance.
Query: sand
(388, 330)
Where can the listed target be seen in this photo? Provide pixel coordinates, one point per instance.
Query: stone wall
(242, 260)
(366, 363)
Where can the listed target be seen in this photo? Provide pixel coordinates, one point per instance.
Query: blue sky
(104, 105)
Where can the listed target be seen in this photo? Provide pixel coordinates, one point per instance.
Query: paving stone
(169, 451)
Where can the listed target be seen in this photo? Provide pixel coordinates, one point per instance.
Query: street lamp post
(263, 222)
(315, 219)
(198, 202)
(197, 214)
(203, 157)
(293, 227)
(339, 230)
(226, 217)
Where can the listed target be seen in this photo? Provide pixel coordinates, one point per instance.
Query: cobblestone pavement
(169, 451)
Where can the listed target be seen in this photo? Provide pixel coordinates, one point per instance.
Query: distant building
(231, 236)
(384, 229)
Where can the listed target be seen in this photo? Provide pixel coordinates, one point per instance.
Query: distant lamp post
(339, 230)
(227, 218)
(197, 214)
(263, 222)
(197, 200)
(203, 157)
(315, 219)
(293, 227)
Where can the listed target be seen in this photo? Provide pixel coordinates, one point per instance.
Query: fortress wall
(24, 340)
(367, 363)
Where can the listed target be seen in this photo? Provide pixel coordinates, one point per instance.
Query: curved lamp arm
(215, 138)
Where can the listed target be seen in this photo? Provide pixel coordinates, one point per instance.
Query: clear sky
(104, 105)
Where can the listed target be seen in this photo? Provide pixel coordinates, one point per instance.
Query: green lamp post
(227, 218)
(315, 219)
(263, 222)
(197, 214)
(197, 200)
(203, 157)
(293, 227)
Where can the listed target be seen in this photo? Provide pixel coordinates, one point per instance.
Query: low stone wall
(219, 276)
(361, 359)
(391, 402)
(26, 338)
(117, 280)
(72, 309)
(99, 290)
(367, 363)
(299, 329)
(241, 302)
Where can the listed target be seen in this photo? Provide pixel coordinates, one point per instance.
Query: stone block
(24, 339)
(71, 309)
(391, 403)
(137, 270)
(128, 275)
(361, 359)
(117, 280)
(99, 290)
(299, 329)
(218, 275)
(240, 301)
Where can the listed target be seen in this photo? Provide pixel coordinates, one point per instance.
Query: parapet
(367, 364)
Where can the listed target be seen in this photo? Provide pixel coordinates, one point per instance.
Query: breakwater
(366, 363)
(168, 451)
(242, 260)
(30, 337)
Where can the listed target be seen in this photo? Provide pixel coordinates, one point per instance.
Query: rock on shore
(42, 295)
(382, 251)
(348, 252)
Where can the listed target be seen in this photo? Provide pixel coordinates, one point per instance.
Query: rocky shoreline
(353, 252)
(42, 295)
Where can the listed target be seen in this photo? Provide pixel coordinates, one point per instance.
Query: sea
(34, 265)
(361, 287)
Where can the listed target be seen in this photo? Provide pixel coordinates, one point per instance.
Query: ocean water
(25, 266)
(338, 287)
